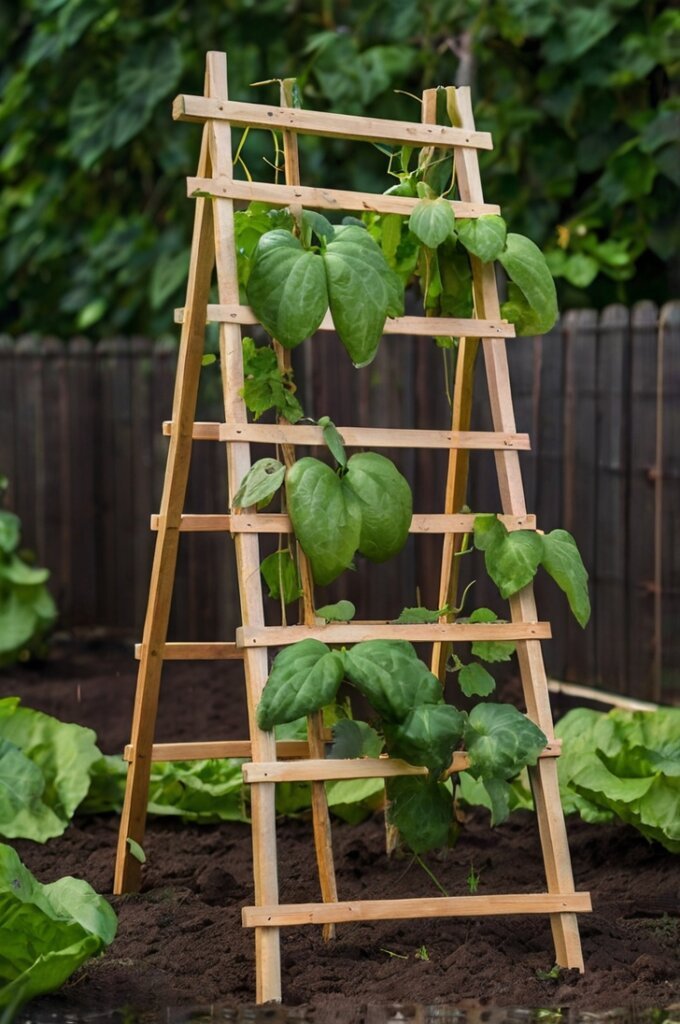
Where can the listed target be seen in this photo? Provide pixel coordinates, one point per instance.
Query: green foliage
(512, 560)
(281, 575)
(47, 931)
(290, 287)
(341, 611)
(260, 483)
(27, 610)
(93, 217)
(367, 509)
(532, 304)
(391, 677)
(421, 811)
(626, 765)
(304, 678)
(484, 237)
(265, 386)
(432, 221)
(45, 768)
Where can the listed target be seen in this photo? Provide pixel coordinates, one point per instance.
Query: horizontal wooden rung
(358, 437)
(339, 200)
(408, 326)
(277, 522)
(337, 126)
(217, 749)
(332, 769)
(196, 652)
(431, 906)
(356, 632)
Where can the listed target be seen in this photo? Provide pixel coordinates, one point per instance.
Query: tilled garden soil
(180, 941)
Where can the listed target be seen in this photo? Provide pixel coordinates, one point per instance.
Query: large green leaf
(511, 558)
(501, 741)
(483, 236)
(281, 575)
(392, 677)
(362, 291)
(432, 221)
(10, 531)
(526, 267)
(326, 517)
(475, 681)
(490, 650)
(287, 288)
(304, 677)
(422, 811)
(46, 931)
(561, 558)
(428, 735)
(62, 753)
(260, 483)
(386, 504)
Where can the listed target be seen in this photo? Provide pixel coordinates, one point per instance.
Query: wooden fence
(80, 441)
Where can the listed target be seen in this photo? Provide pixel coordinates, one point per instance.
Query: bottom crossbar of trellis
(395, 910)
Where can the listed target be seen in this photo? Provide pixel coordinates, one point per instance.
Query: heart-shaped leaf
(386, 504)
(362, 291)
(281, 576)
(304, 677)
(501, 741)
(483, 236)
(422, 811)
(490, 650)
(392, 677)
(260, 483)
(326, 517)
(526, 266)
(475, 681)
(10, 531)
(511, 558)
(341, 611)
(561, 558)
(287, 288)
(432, 221)
(428, 736)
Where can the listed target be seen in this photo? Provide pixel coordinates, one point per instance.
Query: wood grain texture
(357, 632)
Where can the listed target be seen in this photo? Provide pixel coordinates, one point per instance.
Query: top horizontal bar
(336, 126)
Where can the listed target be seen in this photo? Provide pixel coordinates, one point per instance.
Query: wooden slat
(399, 910)
(373, 437)
(196, 652)
(324, 198)
(331, 770)
(216, 749)
(335, 126)
(408, 326)
(356, 632)
(277, 522)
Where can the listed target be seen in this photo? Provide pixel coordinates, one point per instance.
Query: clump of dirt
(180, 941)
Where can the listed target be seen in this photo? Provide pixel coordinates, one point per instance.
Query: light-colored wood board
(247, 547)
(324, 198)
(408, 326)
(127, 874)
(205, 750)
(331, 770)
(336, 126)
(201, 431)
(278, 522)
(373, 437)
(434, 906)
(356, 632)
(193, 651)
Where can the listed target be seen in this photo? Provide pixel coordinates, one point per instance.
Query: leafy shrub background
(94, 220)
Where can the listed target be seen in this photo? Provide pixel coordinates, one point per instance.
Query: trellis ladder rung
(331, 769)
(334, 126)
(277, 522)
(197, 652)
(356, 632)
(407, 326)
(433, 906)
(188, 751)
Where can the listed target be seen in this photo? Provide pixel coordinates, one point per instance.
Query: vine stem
(419, 860)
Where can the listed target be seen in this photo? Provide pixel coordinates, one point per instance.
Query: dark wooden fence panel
(80, 440)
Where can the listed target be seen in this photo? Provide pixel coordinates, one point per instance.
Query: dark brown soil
(180, 941)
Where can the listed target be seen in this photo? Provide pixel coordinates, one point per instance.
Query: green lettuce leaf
(46, 931)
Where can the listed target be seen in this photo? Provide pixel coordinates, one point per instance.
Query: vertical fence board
(580, 462)
(8, 414)
(641, 497)
(608, 571)
(28, 438)
(85, 464)
(54, 535)
(670, 509)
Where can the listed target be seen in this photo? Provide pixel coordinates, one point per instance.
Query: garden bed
(180, 941)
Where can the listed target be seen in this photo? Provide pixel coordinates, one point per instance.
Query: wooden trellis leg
(133, 823)
(549, 813)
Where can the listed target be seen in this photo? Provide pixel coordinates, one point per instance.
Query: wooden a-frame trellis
(213, 247)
